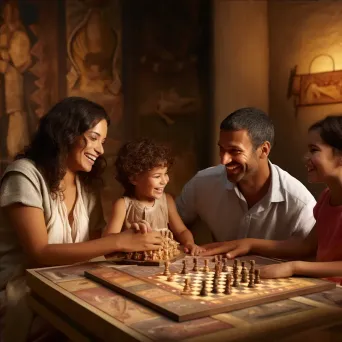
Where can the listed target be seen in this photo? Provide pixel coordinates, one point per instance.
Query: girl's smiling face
(322, 161)
(150, 185)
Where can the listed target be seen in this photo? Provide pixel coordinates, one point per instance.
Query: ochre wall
(298, 32)
(240, 59)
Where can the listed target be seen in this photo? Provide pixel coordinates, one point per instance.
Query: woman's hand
(283, 270)
(231, 248)
(193, 249)
(141, 226)
(132, 241)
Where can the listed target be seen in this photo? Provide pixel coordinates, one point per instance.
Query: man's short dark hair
(256, 122)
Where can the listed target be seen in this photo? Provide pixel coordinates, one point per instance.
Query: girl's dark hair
(138, 156)
(56, 133)
(330, 130)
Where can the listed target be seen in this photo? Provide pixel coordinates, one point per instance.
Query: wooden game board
(150, 287)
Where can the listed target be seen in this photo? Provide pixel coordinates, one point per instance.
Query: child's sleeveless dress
(157, 216)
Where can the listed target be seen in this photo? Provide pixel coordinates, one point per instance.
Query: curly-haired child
(142, 169)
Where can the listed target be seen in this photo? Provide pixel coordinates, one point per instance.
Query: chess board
(150, 287)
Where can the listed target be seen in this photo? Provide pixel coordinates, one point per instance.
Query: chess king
(142, 169)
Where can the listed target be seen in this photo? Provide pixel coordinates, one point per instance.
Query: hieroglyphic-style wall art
(316, 88)
(169, 43)
(93, 29)
(167, 83)
(18, 79)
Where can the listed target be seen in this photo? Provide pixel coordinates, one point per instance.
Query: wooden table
(86, 311)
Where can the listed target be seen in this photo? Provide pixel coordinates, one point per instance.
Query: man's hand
(283, 270)
(193, 249)
(142, 227)
(231, 248)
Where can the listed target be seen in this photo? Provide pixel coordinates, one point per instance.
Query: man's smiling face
(238, 155)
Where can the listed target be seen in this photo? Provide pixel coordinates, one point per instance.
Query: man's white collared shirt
(286, 210)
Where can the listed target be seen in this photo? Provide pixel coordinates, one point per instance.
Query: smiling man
(247, 195)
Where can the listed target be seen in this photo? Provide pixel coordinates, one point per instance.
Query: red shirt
(329, 231)
(328, 228)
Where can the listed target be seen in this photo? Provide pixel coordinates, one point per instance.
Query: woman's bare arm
(29, 224)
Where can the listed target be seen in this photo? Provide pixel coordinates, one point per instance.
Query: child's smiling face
(150, 185)
(323, 164)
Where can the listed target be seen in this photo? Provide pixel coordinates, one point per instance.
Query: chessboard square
(130, 283)
(121, 280)
(167, 298)
(152, 293)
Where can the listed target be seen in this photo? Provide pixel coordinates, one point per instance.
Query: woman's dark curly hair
(138, 156)
(56, 133)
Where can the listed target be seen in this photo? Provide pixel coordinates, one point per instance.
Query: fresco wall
(146, 62)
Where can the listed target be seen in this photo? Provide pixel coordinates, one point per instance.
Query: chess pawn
(228, 288)
(184, 270)
(257, 277)
(215, 286)
(129, 255)
(167, 270)
(135, 256)
(145, 256)
(243, 267)
(204, 291)
(195, 268)
(252, 269)
(187, 287)
(225, 265)
(206, 266)
(251, 280)
(244, 272)
(236, 278)
(236, 263)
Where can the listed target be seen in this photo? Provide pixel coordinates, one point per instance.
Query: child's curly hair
(138, 156)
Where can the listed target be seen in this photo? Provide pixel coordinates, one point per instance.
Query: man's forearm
(318, 269)
(292, 248)
(185, 238)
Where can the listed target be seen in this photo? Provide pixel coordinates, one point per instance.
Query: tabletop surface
(103, 313)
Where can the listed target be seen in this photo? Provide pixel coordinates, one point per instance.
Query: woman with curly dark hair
(142, 169)
(50, 211)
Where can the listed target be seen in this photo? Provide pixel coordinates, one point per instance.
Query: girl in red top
(324, 165)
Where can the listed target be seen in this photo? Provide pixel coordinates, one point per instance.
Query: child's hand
(193, 249)
(142, 227)
(283, 270)
(129, 241)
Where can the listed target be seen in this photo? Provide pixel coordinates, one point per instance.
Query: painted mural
(18, 59)
(169, 52)
(154, 52)
(93, 30)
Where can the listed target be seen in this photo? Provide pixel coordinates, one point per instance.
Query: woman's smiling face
(87, 148)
